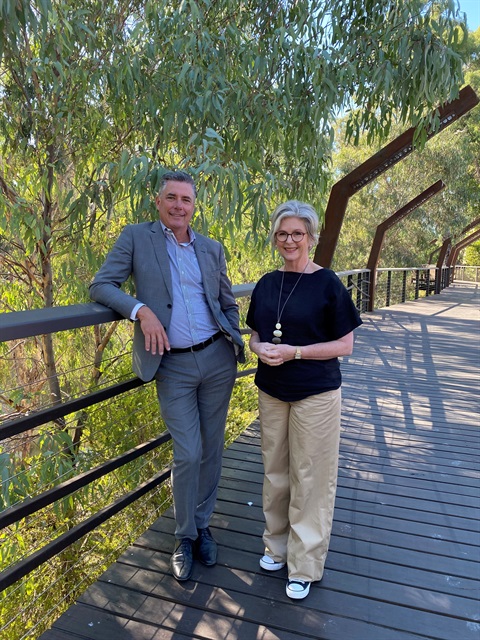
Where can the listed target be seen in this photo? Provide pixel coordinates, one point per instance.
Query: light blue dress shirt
(192, 321)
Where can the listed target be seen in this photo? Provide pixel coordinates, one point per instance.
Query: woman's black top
(319, 310)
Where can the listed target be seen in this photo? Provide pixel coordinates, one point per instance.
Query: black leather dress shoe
(181, 561)
(206, 547)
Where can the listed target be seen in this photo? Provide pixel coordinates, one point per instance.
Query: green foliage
(243, 408)
(472, 255)
(48, 456)
(98, 97)
(452, 156)
(109, 429)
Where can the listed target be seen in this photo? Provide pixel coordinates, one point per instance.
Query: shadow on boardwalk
(405, 545)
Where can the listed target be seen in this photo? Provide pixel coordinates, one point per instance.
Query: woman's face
(295, 254)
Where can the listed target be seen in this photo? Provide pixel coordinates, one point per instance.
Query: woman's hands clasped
(274, 354)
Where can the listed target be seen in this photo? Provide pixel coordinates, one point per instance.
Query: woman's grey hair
(295, 209)
(176, 176)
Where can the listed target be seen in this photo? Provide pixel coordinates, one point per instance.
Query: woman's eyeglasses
(282, 236)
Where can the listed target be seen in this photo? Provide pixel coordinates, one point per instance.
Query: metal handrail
(23, 324)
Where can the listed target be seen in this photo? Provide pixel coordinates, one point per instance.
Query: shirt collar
(168, 233)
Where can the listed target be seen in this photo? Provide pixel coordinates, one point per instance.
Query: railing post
(438, 279)
(404, 286)
(417, 283)
(359, 291)
(389, 285)
(366, 291)
(350, 284)
(427, 282)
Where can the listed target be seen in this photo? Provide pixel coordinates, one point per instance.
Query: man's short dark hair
(176, 176)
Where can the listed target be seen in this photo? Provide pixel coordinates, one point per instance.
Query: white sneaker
(269, 564)
(297, 589)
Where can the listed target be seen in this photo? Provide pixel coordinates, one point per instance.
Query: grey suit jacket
(141, 252)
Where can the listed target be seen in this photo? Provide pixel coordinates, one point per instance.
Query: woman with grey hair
(302, 320)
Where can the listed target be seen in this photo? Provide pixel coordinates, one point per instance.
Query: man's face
(176, 204)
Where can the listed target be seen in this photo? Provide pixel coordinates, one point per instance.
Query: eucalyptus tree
(97, 97)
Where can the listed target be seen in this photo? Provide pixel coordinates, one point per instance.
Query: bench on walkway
(424, 280)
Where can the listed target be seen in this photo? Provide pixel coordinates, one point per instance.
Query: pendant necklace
(277, 334)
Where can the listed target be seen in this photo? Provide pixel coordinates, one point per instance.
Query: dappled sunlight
(404, 542)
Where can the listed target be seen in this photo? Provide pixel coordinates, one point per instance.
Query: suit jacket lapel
(204, 263)
(161, 253)
(202, 254)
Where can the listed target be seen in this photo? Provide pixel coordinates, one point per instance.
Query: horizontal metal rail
(27, 565)
(31, 505)
(37, 418)
(23, 324)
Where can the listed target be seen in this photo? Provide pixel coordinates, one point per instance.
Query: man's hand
(156, 339)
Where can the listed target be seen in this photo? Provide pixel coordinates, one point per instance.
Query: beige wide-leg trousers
(300, 442)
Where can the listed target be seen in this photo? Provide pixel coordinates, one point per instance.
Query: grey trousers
(194, 392)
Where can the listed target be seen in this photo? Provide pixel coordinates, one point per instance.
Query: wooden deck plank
(403, 559)
(417, 508)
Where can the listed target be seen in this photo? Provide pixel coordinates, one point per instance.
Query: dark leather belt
(199, 346)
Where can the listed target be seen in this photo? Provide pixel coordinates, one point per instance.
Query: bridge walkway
(403, 559)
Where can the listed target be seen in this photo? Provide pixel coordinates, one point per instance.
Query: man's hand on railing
(156, 339)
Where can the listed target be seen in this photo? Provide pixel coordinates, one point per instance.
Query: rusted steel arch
(472, 225)
(473, 237)
(395, 151)
(445, 251)
(445, 248)
(389, 222)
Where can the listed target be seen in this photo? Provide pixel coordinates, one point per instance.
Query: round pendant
(278, 325)
(277, 333)
(276, 340)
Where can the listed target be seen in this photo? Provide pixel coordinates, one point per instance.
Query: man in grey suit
(187, 337)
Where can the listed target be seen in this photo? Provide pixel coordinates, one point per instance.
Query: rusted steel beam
(472, 225)
(452, 258)
(444, 252)
(395, 151)
(387, 224)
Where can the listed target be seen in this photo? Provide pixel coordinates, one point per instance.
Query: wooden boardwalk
(403, 560)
